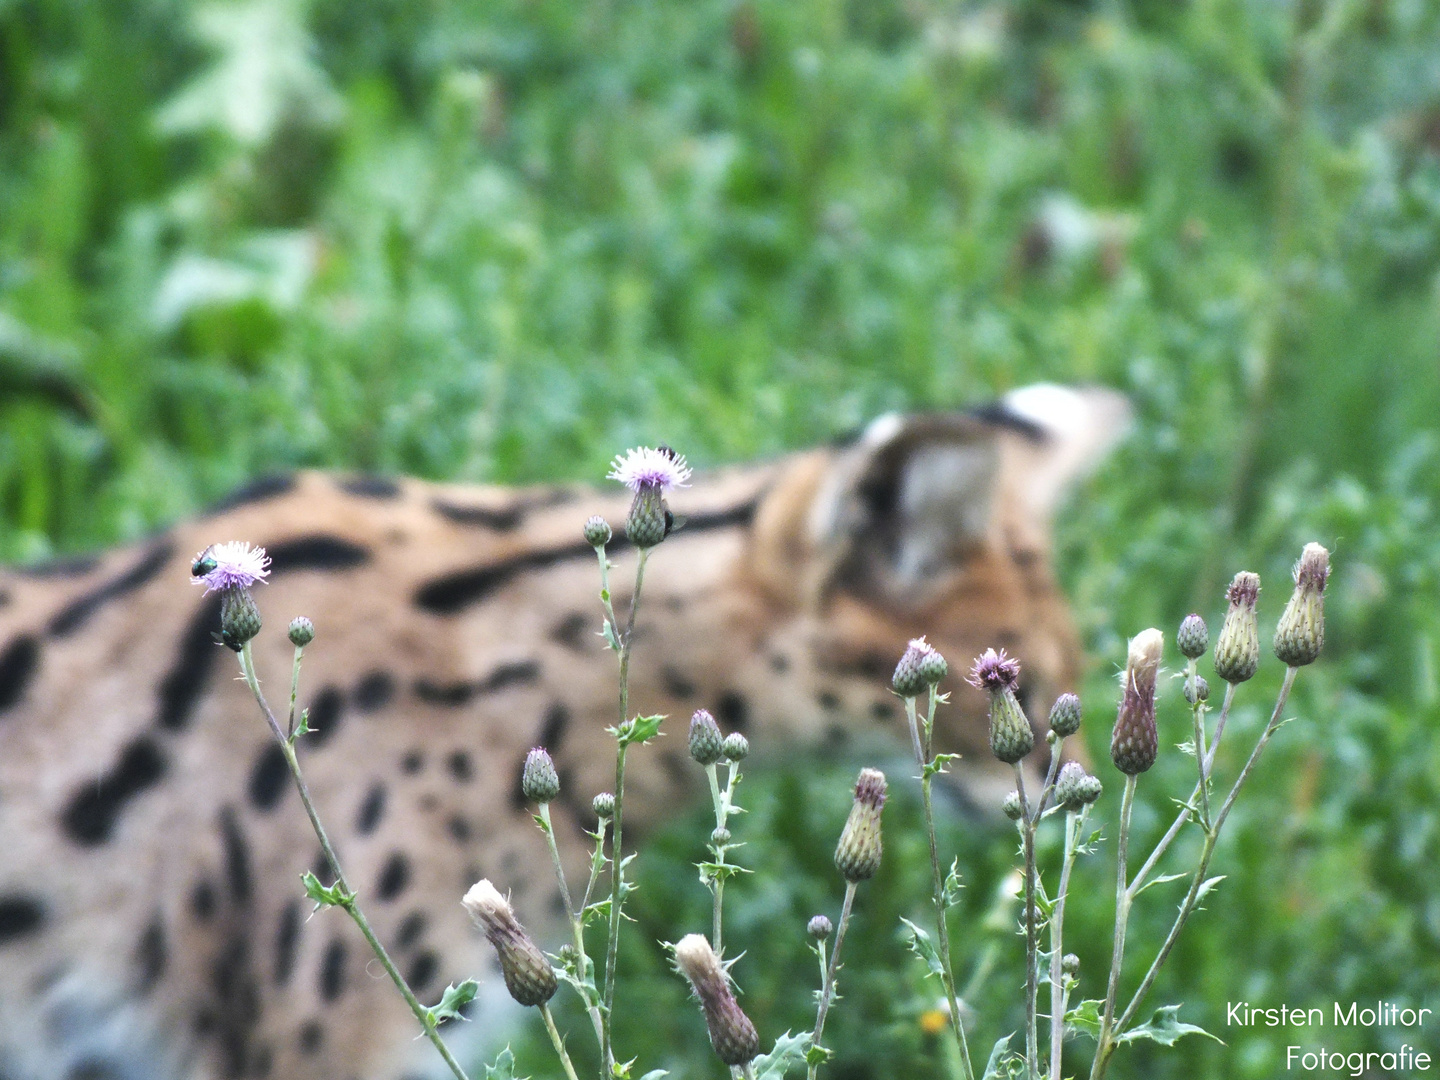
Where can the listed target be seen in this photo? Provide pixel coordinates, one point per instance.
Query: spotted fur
(150, 925)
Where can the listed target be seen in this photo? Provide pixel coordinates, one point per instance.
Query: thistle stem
(349, 903)
(1073, 825)
(1032, 944)
(1197, 711)
(557, 1042)
(577, 924)
(827, 991)
(1123, 899)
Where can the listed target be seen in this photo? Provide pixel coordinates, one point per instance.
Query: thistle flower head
(539, 781)
(819, 928)
(995, 672)
(1135, 741)
(736, 747)
(731, 1033)
(1193, 638)
(1065, 715)
(1300, 634)
(1075, 788)
(646, 468)
(1237, 649)
(707, 745)
(302, 631)
(528, 975)
(1011, 807)
(597, 531)
(920, 667)
(603, 805)
(857, 856)
(239, 618)
(232, 565)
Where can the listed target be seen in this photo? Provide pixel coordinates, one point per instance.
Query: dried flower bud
(1300, 634)
(1237, 650)
(528, 975)
(597, 531)
(736, 747)
(239, 618)
(1193, 637)
(302, 631)
(1197, 691)
(1065, 715)
(1011, 737)
(538, 780)
(857, 856)
(603, 805)
(1011, 806)
(1135, 742)
(819, 928)
(920, 668)
(1075, 788)
(707, 746)
(1070, 964)
(731, 1033)
(720, 837)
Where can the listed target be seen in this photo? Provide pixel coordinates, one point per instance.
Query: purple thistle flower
(645, 468)
(994, 671)
(233, 565)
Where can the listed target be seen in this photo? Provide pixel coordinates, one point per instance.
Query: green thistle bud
(819, 928)
(1065, 715)
(1193, 638)
(538, 780)
(239, 618)
(302, 632)
(597, 531)
(707, 746)
(1075, 788)
(1300, 634)
(1011, 806)
(1070, 964)
(649, 519)
(528, 975)
(920, 668)
(1237, 650)
(1197, 691)
(603, 805)
(731, 1033)
(720, 837)
(1135, 742)
(1011, 737)
(857, 856)
(736, 747)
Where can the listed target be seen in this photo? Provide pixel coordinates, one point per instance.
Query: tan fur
(774, 603)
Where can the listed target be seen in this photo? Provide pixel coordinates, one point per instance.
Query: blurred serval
(151, 924)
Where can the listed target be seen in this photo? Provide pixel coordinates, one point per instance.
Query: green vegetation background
(501, 240)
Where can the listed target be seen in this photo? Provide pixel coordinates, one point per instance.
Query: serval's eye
(203, 564)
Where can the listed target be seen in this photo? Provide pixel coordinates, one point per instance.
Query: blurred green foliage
(502, 240)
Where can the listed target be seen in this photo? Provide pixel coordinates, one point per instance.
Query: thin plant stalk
(577, 922)
(1123, 898)
(1197, 711)
(1074, 823)
(349, 902)
(827, 989)
(557, 1042)
(947, 975)
(722, 802)
(1032, 944)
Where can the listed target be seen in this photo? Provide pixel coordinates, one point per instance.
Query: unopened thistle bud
(538, 780)
(597, 531)
(731, 1033)
(736, 747)
(720, 837)
(1075, 788)
(1237, 650)
(1300, 634)
(1011, 806)
(1193, 637)
(857, 856)
(707, 746)
(920, 668)
(650, 474)
(1135, 742)
(999, 676)
(528, 975)
(1065, 715)
(603, 805)
(1070, 964)
(302, 632)
(239, 618)
(819, 928)
(1197, 691)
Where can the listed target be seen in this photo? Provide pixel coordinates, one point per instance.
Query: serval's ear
(898, 514)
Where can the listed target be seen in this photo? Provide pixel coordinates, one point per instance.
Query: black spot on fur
(371, 810)
(76, 613)
(411, 930)
(182, 689)
(237, 856)
(460, 767)
(779, 663)
(574, 632)
(733, 711)
(93, 1068)
(999, 414)
(312, 1037)
(882, 710)
(261, 1061)
(326, 713)
(332, 971)
(374, 691)
(459, 829)
(20, 915)
(202, 900)
(315, 552)
(257, 490)
(828, 700)
(450, 694)
(458, 693)
(394, 877)
(412, 762)
(287, 936)
(151, 954)
(63, 567)
(370, 487)
(499, 518)
(553, 727)
(95, 807)
(422, 970)
(269, 778)
(18, 664)
(677, 684)
(238, 998)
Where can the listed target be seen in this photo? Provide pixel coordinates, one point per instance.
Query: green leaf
(325, 895)
(504, 1067)
(544, 825)
(712, 871)
(453, 1000)
(640, 730)
(1207, 886)
(608, 632)
(954, 884)
(1165, 1028)
(997, 1060)
(1161, 880)
(789, 1052)
(654, 1074)
(923, 947)
(937, 766)
(818, 1055)
(302, 726)
(1086, 1017)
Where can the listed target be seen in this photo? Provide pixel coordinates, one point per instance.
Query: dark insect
(203, 564)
